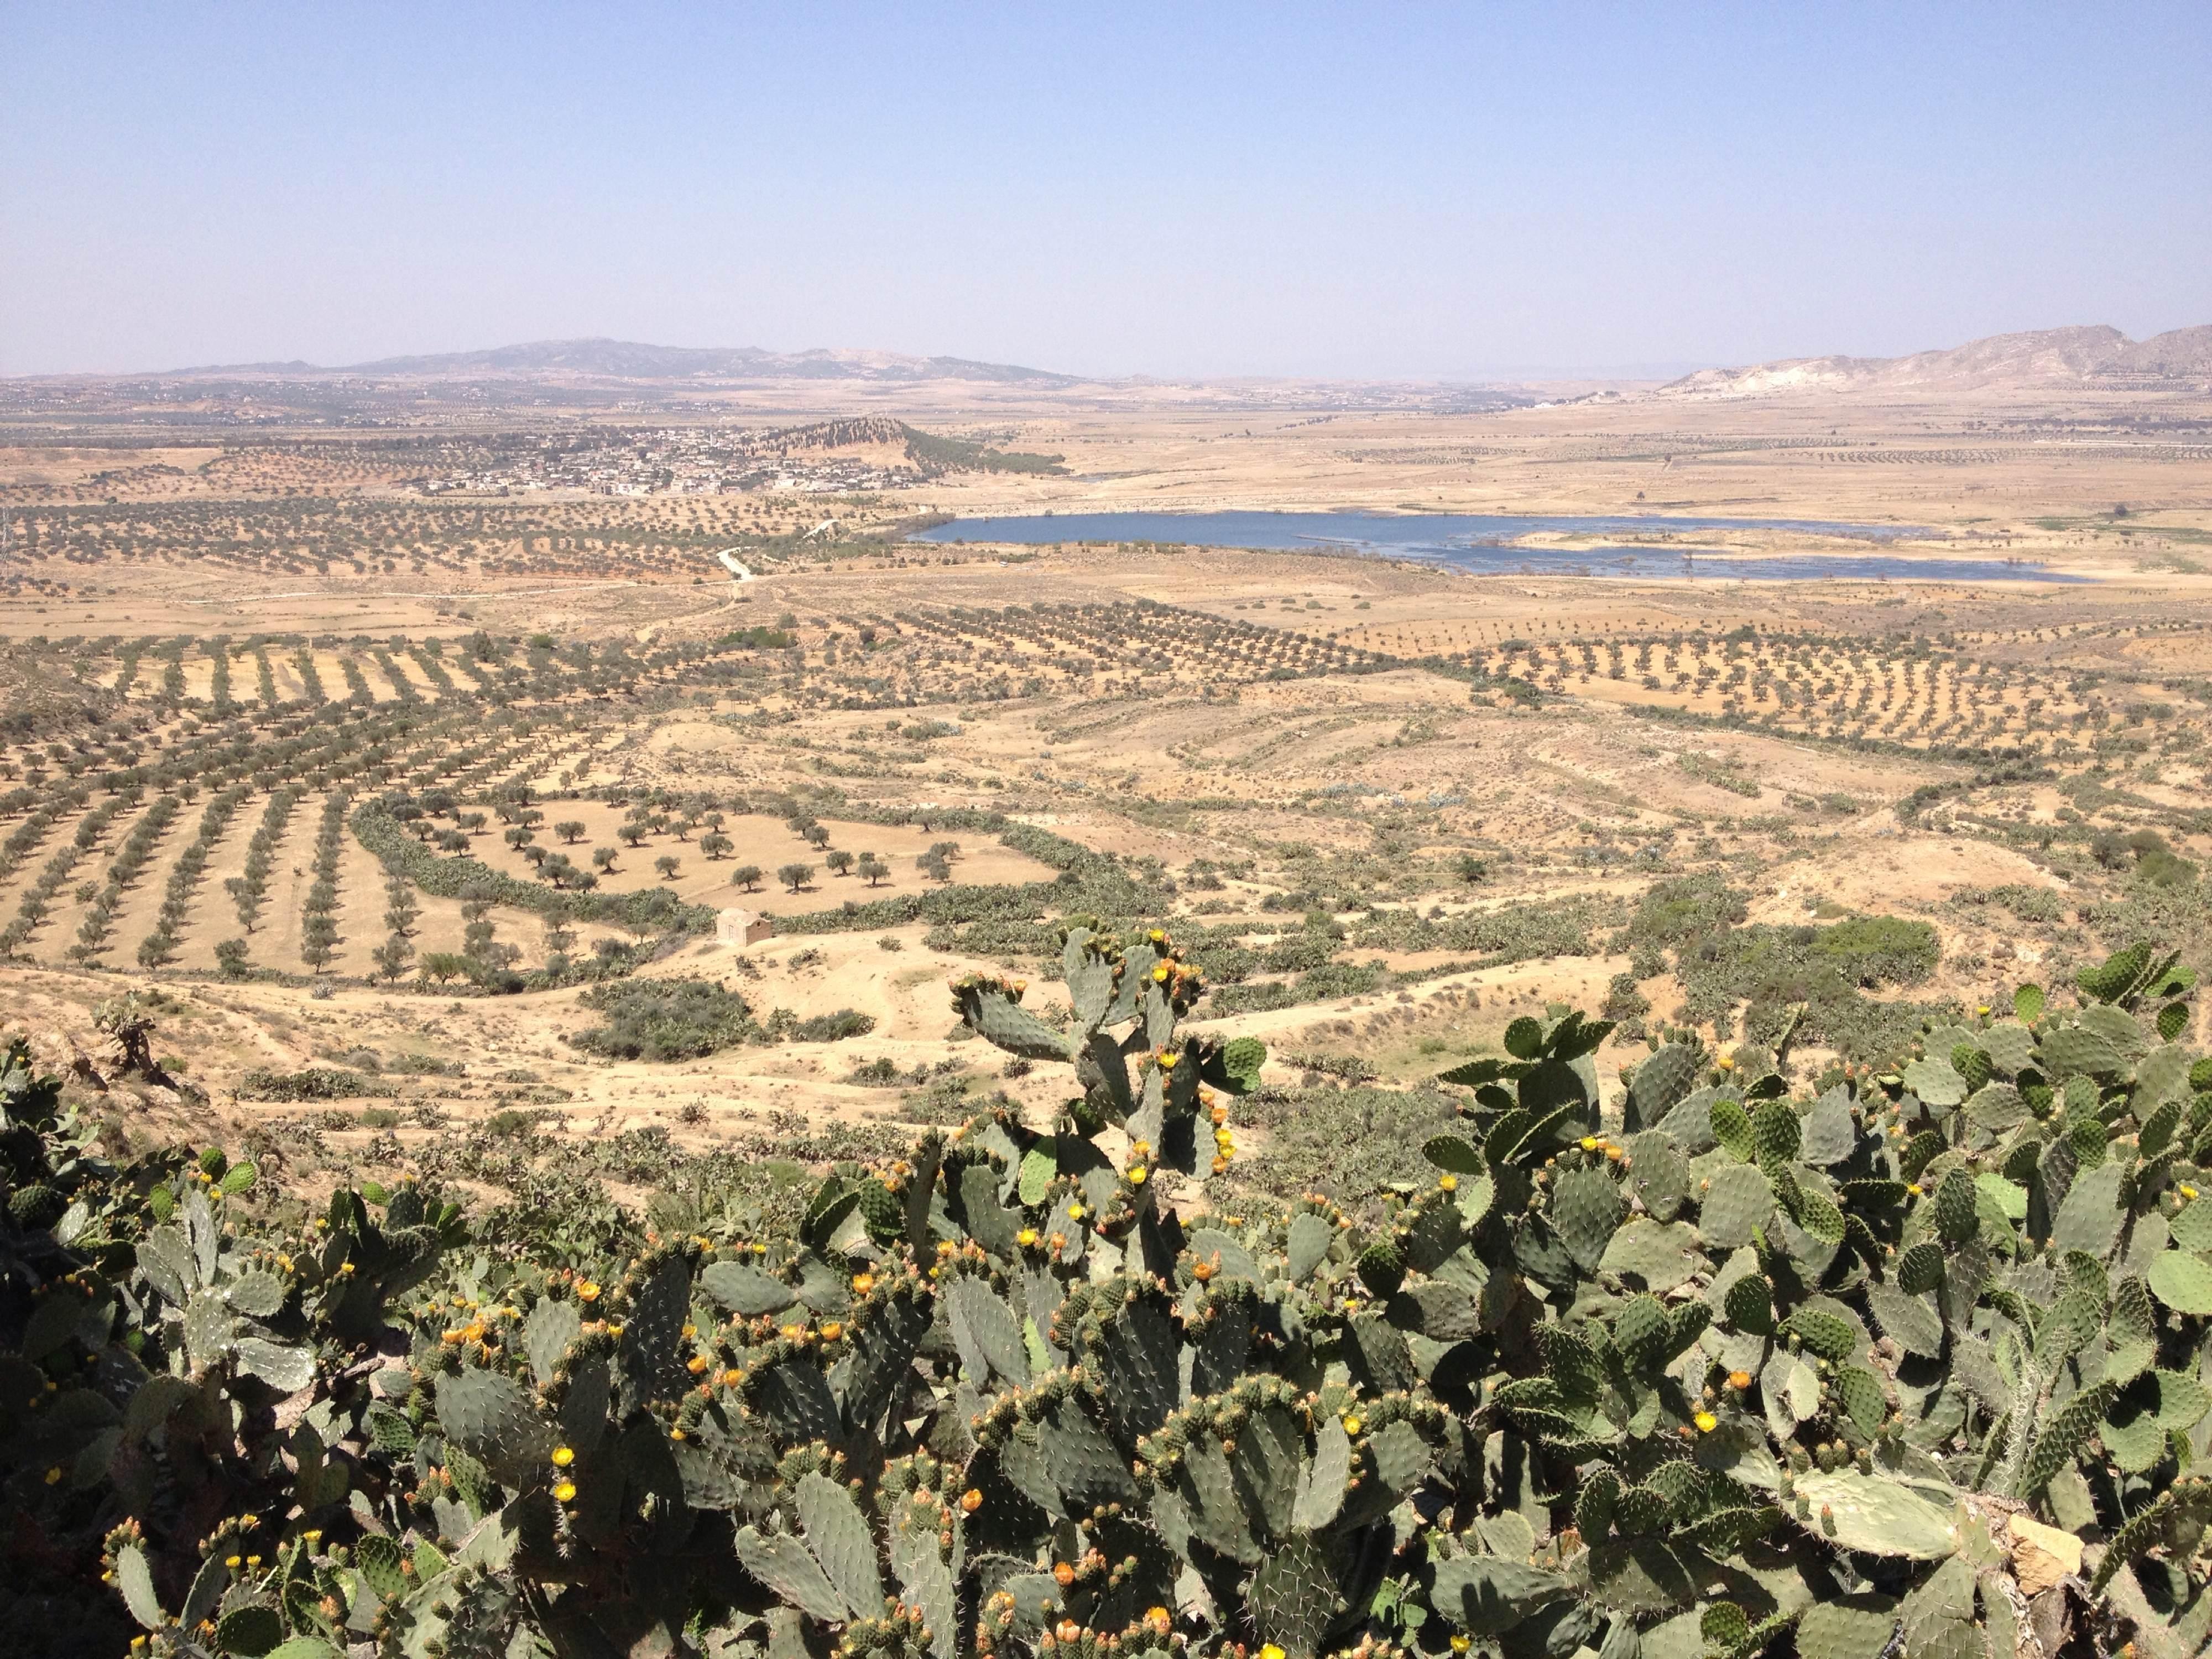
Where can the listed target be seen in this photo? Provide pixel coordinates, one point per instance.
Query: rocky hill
(2088, 358)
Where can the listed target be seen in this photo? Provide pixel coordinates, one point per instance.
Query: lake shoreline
(1490, 543)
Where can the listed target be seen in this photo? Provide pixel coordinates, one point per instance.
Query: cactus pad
(1004, 1024)
(1661, 1174)
(1736, 1199)
(1597, 1503)
(839, 1537)
(490, 1416)
(1750, 1306)
(1732, 1129)
(1294, 1596)
(1936, 1083)
(1775, 1134)
(1955, 1208)
(1881, 1514)
(1852, 1627)
(2183, 1280)
(1920, 1269)
(1586, 1210)
(1381, 1267)
(2063, 1436)
(1484, 1595)
(2116, 975)
(1660, 1083)
(786, 1570)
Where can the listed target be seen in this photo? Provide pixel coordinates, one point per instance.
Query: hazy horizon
(1502, 372)
(1416, 194)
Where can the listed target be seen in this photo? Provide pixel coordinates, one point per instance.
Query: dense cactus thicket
(1909, 1360)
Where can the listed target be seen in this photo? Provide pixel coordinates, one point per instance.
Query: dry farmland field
(401, 798)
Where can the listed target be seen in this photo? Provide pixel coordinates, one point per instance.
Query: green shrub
(833, 1027)
(1685, 908)
(2025, 903)
(310, 1083)
(2162, 868)
(663, 1019)
(1348, 1143)
(1874, 950)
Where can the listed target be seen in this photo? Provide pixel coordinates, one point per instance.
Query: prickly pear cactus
(1706, 1362)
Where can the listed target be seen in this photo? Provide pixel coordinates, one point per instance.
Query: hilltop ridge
(609, 359)
(2086, 356)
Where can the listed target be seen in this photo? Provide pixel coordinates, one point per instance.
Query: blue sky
(1347, 191)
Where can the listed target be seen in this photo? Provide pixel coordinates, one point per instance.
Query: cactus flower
(1706, 1422)
(588, 1290)
(971, 1500)
(565, 1492)
(1026, 1238)
(1269, 1651)
(1352, 1423)
(1449, 1183)
(2188, 1191)
(564, 1455)
(1589, 1143)
(1137, 1175)
(1739, 1380)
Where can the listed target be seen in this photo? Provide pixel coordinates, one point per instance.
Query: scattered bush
(833, 1027)
(663, 1019)
(310, 1083)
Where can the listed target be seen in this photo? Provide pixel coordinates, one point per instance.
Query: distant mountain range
(2082, 358)
(627, 359)
(2087, 358)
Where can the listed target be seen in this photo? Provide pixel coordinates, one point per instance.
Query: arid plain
(300, 713)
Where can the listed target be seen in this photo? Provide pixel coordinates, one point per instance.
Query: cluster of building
(673, 461)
